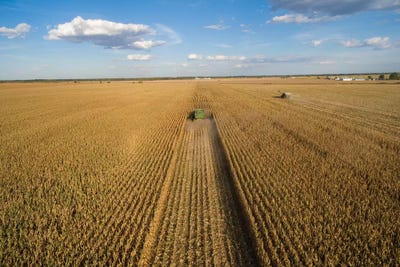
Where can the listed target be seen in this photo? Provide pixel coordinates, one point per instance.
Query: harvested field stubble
(115, 174)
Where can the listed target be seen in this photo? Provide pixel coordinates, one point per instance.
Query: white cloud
(314, 11)
(216, 57)
(19, 31)
(244, 61)
(104, 33)
(143, 44)
(300, 18)
(225, 58)
(245, 28)
(217, 27)
(195, 57)
(139, 57)
(352, 43)
(281, 59)
(316, 42)
(378, 42)
(241, 66)
(334, 7)
(80, 27)
(374, 42)
(326, 62)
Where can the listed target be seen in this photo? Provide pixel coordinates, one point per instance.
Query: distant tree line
(392, 76)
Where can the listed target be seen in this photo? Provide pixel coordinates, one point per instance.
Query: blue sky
(98, 39)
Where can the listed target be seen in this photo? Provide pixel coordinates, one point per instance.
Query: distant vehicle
(286, 95)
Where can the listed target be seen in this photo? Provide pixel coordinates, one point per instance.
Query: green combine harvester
(197, 114)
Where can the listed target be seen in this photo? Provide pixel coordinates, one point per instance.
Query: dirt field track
(116, 174)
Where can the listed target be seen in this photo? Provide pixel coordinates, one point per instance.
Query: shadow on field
(239, 226)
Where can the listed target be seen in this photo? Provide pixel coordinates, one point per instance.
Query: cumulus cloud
(19, 31)
(139, 57)
(143, 44)
(195, 57)
(378, 42)
(105, 33)
(374, 42)
(334, 7)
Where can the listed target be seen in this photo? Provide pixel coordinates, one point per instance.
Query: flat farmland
(116, 174)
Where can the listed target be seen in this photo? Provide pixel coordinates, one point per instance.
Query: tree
(381, 77)
(394, 76)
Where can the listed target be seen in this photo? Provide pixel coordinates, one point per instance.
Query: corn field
(116, 174)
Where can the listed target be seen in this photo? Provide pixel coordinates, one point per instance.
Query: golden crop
(115, 174)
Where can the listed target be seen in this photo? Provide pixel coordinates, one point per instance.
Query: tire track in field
(199, 219)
